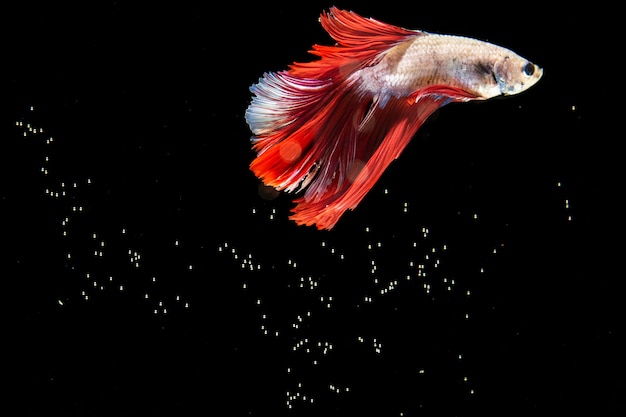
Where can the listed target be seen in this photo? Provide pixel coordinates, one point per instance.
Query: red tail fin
(316, 130)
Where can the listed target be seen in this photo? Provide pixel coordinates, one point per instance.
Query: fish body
(480, 69)
(329, 128)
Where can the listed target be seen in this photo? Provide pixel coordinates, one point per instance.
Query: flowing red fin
(359, 42)
(384, 138)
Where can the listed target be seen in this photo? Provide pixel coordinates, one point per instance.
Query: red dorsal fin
(354, 31)
(359, 41)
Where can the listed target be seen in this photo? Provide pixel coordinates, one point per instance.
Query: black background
(516, 200)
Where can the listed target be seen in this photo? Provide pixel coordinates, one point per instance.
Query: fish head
(514, 74)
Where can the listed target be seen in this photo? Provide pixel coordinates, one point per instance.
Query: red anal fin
(395, 125)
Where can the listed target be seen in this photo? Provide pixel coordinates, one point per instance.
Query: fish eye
(529, 69)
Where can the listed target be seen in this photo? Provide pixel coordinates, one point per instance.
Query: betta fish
(329, 128)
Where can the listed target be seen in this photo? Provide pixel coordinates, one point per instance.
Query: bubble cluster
(345, 314)
(99, 261)
(566, 203)
(383, 272)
